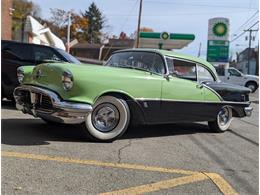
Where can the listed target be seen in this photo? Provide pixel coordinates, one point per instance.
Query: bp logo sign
(165, 35)
(220, 29)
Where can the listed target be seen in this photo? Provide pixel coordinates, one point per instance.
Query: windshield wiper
(52, 61)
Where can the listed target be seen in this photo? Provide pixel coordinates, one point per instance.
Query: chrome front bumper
(30, 99)
(248, 111)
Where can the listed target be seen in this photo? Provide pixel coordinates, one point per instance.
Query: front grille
(43, 102)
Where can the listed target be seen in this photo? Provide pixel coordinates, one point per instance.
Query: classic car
(141, 86)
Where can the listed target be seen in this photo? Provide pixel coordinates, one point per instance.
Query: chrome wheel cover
(105, 117)
(224, 118)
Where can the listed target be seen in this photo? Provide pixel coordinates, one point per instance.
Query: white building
(36, 33)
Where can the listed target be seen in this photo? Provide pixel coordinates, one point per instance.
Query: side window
(204, 74)
(184, 69)
(44, 53)
(20, 51)
(233, 72)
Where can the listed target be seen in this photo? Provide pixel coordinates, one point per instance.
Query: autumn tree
(59, 23)
(146, 29)
(22, 8)
(96, 22)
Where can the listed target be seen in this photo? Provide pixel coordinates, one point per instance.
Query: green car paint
(91, 81)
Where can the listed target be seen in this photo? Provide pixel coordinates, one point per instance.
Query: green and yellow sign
(218, 40)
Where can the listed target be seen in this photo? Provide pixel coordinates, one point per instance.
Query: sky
(173, 16)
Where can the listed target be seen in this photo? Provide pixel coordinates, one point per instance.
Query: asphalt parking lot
(38, 158)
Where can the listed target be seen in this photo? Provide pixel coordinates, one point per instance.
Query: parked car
(234, 76)
(15, 54)
(143, 86)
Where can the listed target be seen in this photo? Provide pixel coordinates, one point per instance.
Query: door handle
(199, 86)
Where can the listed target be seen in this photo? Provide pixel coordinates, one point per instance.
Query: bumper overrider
(48, 105)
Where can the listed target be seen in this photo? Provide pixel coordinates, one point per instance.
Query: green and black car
(145, 86)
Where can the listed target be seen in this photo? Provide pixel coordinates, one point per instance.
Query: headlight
(67, 80)
(20, 74)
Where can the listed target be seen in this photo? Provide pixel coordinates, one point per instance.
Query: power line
(127, 16)
(176, 14)
(247, 21)
(199, 5)
(244, 31)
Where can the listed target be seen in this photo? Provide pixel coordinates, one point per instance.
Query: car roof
(174, 55)
(22, 43)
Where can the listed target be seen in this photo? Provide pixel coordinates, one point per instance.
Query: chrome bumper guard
(248, 111)
(57, 111)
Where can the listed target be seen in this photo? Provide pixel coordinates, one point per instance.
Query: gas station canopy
(164, 40)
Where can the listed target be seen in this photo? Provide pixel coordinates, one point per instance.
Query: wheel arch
(251, 81)
(136, 111)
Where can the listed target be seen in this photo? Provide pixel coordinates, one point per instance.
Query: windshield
(69, 57)
(146, 61)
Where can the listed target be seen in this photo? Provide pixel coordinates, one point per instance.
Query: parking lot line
(97, 163)
(193, 176)
(222, 184)
(166, 184)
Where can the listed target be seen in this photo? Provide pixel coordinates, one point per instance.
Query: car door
(234, 77)
(14, 55)
(182, 96)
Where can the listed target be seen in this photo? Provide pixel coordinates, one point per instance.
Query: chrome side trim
(195, 101)
(61, 111)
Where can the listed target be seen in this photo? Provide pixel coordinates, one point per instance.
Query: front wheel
(108, 120)
(222, 121)
(252, 86)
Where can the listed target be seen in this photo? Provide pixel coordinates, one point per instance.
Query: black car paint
(152, 111)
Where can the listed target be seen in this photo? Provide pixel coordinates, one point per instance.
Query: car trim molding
(195, 101)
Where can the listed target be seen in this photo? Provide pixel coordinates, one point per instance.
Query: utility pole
(249, 47)
(139, 23)
(68, 33)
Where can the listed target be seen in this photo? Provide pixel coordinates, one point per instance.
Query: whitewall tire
(108, 120)
(223, 120)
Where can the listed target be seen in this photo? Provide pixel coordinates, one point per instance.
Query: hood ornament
(39, 74)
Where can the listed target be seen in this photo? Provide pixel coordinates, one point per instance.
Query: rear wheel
(108, 120)
(222, 121)
(252, 86)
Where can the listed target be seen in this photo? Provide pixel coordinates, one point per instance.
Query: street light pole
(68, 33)
(139, 23)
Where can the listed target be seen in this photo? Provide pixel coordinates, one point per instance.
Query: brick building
(6, 22)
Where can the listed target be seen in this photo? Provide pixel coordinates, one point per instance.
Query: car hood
(251, 76)
(230, 92)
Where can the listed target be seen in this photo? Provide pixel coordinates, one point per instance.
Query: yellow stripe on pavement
(96, 163)
(224, 187)
(194, 176)
(166, 184)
